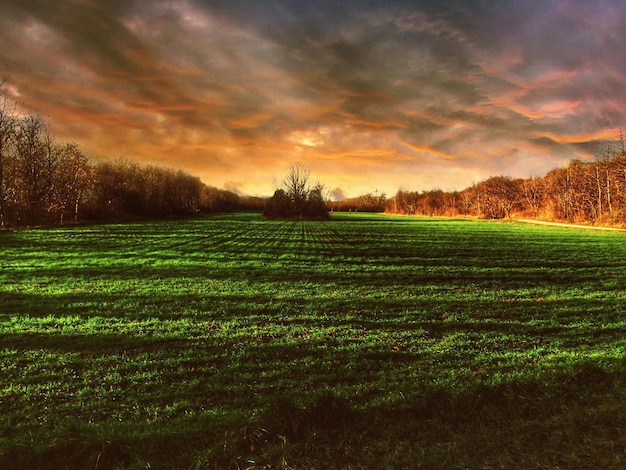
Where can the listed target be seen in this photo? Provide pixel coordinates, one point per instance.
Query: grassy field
(364, 342)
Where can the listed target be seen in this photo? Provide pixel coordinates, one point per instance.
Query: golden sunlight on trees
(534, 190)
(499, 195)
(581, 192)
(297, 198)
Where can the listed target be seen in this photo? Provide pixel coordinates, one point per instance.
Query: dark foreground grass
(363, 342)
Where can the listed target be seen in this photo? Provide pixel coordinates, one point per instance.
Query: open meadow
(367, 341)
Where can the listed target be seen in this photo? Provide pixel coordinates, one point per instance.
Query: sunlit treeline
(582, 192)
(370, 202)
(46, 181)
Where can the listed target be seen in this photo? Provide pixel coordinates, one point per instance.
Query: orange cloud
(406, 94)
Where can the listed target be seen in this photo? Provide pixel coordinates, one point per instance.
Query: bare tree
(534, 190)
(466, 201)
(32, 145)
(7, 130)
(498, 195)
(296, 186)
(72, 179)
(559, 188)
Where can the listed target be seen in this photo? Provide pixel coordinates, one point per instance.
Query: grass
(362, 342)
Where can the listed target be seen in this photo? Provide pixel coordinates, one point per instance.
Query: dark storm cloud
(456, 89)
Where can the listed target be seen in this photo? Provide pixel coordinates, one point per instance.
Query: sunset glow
(368, 95)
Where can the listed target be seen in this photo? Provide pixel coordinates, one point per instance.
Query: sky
(368, 95)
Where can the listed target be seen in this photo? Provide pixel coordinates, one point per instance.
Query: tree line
(46, 181)
(580, 192)
(369, 202)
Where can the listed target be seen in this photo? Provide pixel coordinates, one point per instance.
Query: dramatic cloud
(369, 95)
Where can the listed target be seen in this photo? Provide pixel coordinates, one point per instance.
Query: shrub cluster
(298, 199)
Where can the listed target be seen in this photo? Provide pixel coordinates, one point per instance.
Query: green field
(363, 342)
